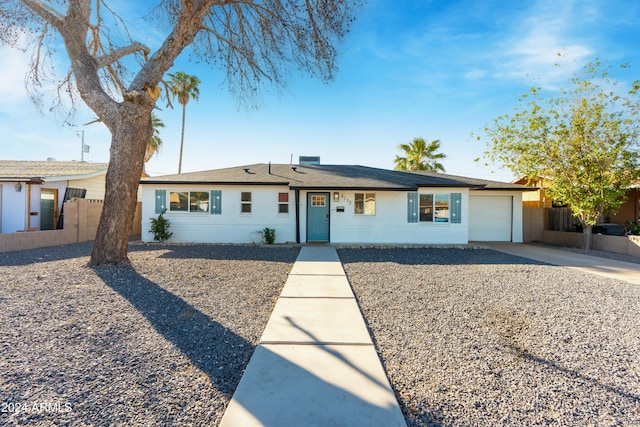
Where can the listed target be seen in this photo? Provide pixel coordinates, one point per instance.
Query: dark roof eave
(457, 185)
(27, 180)
(339, 187)
(334, 187)
(504, 189)
(158, 182)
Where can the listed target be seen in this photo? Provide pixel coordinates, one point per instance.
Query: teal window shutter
(456, 208)
(216, 202)
(161, 201)
(412, 207)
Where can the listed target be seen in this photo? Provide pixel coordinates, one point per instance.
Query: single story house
(332, 203)
(32, 192)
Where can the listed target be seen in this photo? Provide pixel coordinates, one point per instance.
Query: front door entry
(318, 217)
(48, 208)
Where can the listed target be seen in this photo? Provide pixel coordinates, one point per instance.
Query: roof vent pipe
(269, 168)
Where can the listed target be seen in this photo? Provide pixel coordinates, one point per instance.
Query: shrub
(632, 228)
(269, 235)
(160, 228)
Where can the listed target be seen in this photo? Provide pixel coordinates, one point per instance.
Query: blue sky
(409, 68)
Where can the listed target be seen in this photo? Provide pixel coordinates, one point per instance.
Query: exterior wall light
(336, 196)
(18, 187)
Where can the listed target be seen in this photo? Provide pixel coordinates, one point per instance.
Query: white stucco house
(32, 192)
(332, 203)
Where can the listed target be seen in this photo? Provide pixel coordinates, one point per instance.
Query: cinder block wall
(81, 218)
(534, 224)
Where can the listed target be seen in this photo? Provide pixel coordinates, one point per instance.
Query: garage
(490, 218)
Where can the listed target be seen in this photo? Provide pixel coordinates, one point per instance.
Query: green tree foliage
(183, 86)
(583, 141)
(420, 157)
(155, 142)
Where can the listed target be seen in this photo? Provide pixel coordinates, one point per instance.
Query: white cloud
(15, 65)
(16, 92)
(475, 74)
(552, 36)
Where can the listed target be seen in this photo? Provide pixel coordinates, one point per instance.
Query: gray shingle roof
(317, 177)
(27, 169)
(486, 184)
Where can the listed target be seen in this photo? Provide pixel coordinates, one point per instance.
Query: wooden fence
(561, 219)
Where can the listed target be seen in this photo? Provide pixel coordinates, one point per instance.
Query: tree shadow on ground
(223, 356)
(210, 346)
(283, 393)
(526, 355)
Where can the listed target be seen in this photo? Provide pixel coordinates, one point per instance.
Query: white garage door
(490, 219)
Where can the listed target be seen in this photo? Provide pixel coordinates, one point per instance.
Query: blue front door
(318, 217)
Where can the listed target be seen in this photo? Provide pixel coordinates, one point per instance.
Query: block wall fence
(81, 217)
(535, 230)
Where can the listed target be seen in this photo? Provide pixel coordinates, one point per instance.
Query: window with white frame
(441, 205)
(189, 201)
(318, 200)
(364, 204)
(434, 207)
(283, 202)
(245, 202)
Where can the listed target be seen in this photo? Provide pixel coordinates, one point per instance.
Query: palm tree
(184, 87)
(420, 156)
(153, 146)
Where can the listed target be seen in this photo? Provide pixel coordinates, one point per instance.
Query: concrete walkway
(605, 267)
(315, 364)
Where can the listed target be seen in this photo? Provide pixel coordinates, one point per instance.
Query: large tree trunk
(130, 136)
(586, 237)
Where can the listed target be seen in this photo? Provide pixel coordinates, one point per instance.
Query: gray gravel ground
(472, 337)
(468, 336)
(161, 342)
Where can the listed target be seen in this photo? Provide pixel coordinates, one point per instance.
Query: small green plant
(632, 228)
(269, 235)
(160, 228)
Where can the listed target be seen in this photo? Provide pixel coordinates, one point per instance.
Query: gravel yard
(467, 336)
(472, 337)
(161, 342)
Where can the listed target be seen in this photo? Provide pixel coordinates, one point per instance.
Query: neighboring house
(537, 198)
(332, 203)
(629, 210)
(32, 192)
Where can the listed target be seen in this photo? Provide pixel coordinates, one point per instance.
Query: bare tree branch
(47, 13)
(115, 55)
